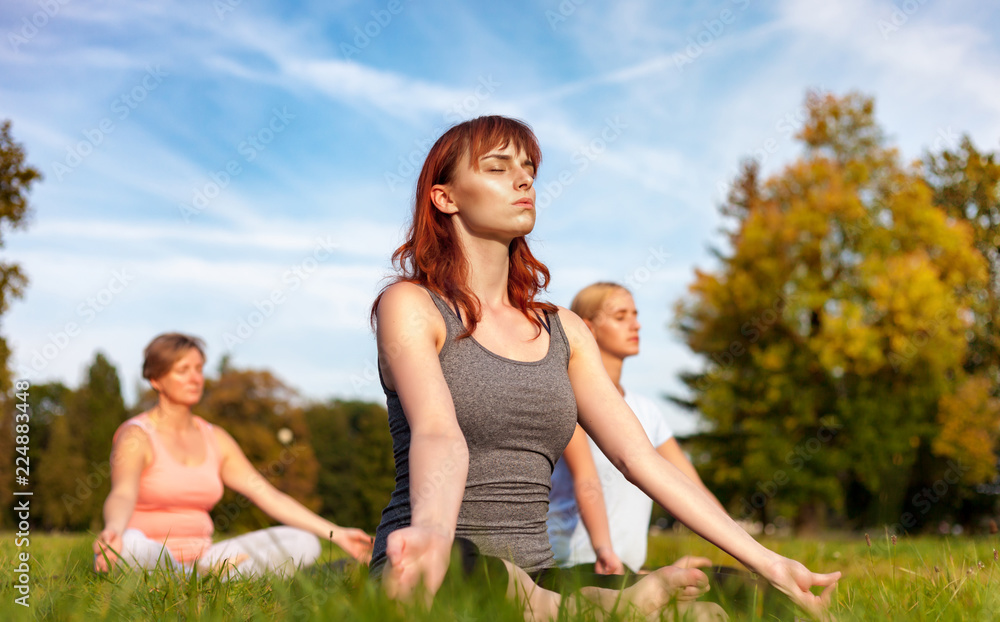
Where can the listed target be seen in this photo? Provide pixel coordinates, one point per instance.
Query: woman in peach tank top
(169, 468)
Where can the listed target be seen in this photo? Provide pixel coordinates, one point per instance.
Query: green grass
(927, 578)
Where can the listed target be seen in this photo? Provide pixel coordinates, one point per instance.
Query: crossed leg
(279, 550)
(664, 592)
(140, 551)
(420, 557)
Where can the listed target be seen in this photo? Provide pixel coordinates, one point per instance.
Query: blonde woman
(595, 515)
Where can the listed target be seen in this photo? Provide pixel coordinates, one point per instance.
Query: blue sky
(243, 170)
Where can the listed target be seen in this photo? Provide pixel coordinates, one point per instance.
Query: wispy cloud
(360, 117)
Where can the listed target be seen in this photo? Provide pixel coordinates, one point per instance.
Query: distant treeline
(336, 457)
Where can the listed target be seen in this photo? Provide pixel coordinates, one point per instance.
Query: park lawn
(925, 578)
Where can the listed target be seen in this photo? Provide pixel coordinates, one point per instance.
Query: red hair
(432, 254)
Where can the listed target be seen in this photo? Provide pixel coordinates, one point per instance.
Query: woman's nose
(524, 179)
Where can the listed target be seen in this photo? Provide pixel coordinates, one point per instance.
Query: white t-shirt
(628, 507)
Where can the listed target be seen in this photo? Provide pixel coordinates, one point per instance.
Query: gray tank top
(517, 418)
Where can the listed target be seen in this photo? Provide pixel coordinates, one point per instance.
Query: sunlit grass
(925, 578)
(928, 578)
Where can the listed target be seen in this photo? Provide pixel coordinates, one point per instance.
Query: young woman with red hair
(485, 385)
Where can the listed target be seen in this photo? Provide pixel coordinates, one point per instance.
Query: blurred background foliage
(849, 333)
(335, 457)
(849, 338)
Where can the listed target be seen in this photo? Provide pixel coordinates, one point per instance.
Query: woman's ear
(156, 385)
(442, 200)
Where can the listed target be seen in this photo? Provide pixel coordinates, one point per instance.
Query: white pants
(279, 550)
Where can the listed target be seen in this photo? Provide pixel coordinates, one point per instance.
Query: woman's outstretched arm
(237, 473)
(672, 452)
(604, 414)
(590, 500)
(410, 333)
(128, 458)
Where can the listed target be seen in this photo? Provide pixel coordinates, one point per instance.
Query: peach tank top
(174, 499)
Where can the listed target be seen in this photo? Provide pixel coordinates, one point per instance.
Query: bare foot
(699, 612)
(540, 605)
(654, 591)
(691, 561)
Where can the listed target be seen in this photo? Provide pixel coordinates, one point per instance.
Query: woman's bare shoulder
(134, 430)
(576, 330)
(131, 439)
(409, 307)
(225, 441)
(404, 292)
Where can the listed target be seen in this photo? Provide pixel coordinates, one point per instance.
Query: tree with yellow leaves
(966, 185)
(832, 330)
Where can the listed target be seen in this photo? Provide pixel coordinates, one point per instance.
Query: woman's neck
(613, 365)
(171, 415)
(489, 268)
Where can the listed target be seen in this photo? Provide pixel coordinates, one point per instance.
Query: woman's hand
(130, 454)
(106, 548)
(417, 556)
(608, 562)
(410, 332)
(356, 542)
(795, 580)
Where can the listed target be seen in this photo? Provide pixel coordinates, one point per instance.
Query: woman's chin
(523, 231)
(188, 401)
(525, 222)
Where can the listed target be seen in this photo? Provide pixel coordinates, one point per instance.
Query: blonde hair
(589, 301)
(165, 350)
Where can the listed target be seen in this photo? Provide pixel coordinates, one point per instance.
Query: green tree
(832, 329)
(75, 465)
(48, 403)
(16, 179)
(69, 489)
(357, 472)
(966, 186)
